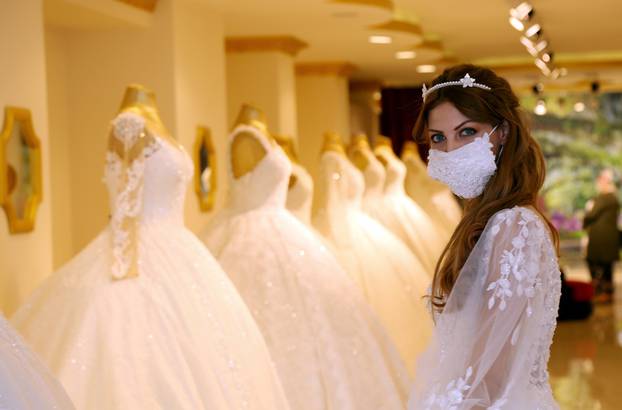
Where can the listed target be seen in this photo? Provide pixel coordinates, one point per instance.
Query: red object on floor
(581, 291)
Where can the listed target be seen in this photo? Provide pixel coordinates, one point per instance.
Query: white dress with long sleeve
(144, 317)
(492, 341)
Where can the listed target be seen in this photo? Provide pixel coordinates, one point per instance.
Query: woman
(496, 288)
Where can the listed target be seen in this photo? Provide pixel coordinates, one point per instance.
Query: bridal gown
(434, 197)
(492, 341)
(176, 335)
(391, 278)
(25, 383)
(300, 195)
(329, 349)
(402, 216)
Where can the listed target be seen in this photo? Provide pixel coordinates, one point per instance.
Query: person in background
(601, 223)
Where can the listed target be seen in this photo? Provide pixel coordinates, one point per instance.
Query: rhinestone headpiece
(465, 82)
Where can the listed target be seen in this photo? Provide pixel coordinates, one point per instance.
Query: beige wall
(323, 105)
(200, 92)
(179, 54)
(25, 259)
(266, 80)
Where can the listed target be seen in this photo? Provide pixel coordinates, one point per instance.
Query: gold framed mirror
(205, 175)
(21, 187)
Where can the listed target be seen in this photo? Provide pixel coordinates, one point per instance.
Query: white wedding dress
(175, 336)
(434, 197)
(300, 195)
(326, 343)
(491, 344)
(393, 281)
(25, 383)
(404, 217)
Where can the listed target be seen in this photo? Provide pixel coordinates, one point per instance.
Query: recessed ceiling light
(547, 57)
(405, 55)
(517, 24)
(426, 68)
(579, 106)
(380, 39)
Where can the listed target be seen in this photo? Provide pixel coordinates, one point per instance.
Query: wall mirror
(205, 175)
(20, 166)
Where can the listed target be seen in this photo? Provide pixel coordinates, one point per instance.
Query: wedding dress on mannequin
(434, 197)
(402, 215)
(300, 190)
(492, 340)
(25, 383)
(325, 341)
(144, 317)
(393, 281)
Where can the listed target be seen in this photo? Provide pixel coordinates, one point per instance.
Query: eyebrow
(459, 125)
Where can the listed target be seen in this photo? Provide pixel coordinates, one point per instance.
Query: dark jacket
(601, 224)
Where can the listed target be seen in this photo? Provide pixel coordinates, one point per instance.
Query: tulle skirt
(178, 336)
(330, 351)
(392, 279)
(25, 383)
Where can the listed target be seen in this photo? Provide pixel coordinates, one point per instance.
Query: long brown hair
(520, 171)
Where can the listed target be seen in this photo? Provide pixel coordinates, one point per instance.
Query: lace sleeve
(129, 145)
(490, 341)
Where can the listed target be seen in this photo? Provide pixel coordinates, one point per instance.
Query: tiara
(466, 81)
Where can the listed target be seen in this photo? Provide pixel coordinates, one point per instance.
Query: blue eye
(468, 132)
(437, 138)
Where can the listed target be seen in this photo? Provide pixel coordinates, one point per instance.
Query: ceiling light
(541, 64)
(426, 68)
(525, 41)
(380, 39)
(563, 72)
(517, 24)
(541, 45)
(579, 106)
(405, 55)
(555, 74)
(523, 11)
(532, 51)
(540, 108)
(533, 30)
(547, 57)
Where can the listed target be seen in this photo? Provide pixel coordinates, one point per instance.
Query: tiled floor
(586, 357)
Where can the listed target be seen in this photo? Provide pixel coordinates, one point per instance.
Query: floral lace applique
(514, 268)
(452, 396)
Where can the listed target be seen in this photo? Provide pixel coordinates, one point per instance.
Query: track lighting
(533, 31)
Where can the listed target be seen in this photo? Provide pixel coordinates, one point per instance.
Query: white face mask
(465, 170)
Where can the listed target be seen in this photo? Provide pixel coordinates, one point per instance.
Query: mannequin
(358, 145)
(333, 142)
(246, 151)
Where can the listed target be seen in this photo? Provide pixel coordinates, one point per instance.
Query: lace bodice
(300, 195)
(265, 185)
(395, 171)
(492, 341)
(146, 179)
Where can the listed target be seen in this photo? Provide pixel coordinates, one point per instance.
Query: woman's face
(449, 129)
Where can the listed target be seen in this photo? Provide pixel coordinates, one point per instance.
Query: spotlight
(541, 64)
(517, 24)
(540, 108)
(526, 42)
(547, 57)
(523, 11)
(537, 88)
(555, 74)
(541, 45)
(534, 30)
(579, 106)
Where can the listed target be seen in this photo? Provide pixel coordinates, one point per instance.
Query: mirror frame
(204, 138)
(22, 116)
